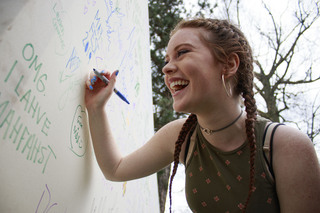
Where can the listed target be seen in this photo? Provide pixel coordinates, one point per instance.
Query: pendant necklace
(210, 131)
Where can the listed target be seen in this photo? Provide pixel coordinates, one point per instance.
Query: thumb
(113, 77)
(112, 81)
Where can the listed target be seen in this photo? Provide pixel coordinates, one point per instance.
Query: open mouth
(179, 85)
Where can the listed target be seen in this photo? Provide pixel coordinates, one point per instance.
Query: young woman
(209, 72)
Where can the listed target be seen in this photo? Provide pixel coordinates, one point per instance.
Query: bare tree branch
(238, 13)
(283, 44)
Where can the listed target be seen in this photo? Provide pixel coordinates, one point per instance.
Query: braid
(250, 123)
(192, 119)
(245, 86)
(224, 39)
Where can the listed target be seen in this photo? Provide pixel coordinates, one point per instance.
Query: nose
(169, 68)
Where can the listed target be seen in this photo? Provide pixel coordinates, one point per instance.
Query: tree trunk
(163, 177)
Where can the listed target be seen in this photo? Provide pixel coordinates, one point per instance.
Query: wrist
(95, 110)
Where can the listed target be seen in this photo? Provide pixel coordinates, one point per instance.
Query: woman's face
(191, 73)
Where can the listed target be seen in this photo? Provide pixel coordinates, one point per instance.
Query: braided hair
(224, 39)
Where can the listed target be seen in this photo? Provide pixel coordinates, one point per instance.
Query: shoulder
(290, 143)
(172, 128)
(168, 134)
(296, 169)
(291, 140)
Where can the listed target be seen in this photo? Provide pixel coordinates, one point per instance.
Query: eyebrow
(178, 46)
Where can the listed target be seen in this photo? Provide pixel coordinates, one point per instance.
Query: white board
(47, 49)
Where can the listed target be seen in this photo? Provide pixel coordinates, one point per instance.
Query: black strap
(188, 143)
(271, 148)
(269, 163)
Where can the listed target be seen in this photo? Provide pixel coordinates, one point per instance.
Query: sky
(252, 14)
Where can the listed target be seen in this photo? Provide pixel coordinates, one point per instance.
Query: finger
(106, 73)
(114, 75)
(112, 79)
(94, 81)
(93, 78)
(89, 86)
(91, 75)
(88, 82)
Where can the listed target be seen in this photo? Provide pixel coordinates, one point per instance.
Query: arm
(151, 157)
(297, 171)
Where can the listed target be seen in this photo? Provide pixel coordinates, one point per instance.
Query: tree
(274, 87)
(313, 128)
(310, 113)
(163, 16)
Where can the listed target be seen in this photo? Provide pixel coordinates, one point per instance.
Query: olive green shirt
(218, 181)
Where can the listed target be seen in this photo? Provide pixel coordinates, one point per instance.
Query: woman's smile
(190, 70)
(177, 84)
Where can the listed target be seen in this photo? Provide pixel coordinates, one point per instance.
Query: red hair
(225, 39)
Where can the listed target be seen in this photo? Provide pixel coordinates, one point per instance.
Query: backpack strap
(267, 146)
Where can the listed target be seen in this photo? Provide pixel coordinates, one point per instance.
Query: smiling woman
(208, 70)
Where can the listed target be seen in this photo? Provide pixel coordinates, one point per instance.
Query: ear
(232, 65)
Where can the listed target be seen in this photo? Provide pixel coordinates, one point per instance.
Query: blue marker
(106, 81)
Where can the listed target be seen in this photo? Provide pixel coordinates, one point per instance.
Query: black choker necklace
(210, 131)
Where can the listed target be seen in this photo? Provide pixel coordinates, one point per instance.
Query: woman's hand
(97, 92)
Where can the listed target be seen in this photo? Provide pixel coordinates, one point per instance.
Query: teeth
(180, 83)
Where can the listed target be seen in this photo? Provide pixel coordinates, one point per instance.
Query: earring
(229, 93)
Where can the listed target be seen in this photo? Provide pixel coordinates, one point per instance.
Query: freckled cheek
(203, 86)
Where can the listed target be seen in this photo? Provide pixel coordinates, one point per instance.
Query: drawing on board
(47, 48)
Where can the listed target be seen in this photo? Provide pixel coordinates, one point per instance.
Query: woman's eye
(181, 52)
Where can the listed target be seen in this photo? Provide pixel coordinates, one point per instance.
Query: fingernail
(117, 72)
(94, 79)
(90, 87)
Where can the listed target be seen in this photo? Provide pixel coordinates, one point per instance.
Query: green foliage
(163, 16)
